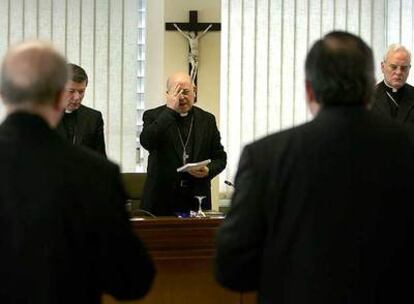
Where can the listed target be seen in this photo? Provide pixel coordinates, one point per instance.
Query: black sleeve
(99, 136)
(155, 127)
(125, 269)
(217, 154)
(241, 236)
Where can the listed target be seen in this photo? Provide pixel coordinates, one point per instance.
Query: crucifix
(190, 31)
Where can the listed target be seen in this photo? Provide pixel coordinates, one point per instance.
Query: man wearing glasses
(394, 98)
(175, 134)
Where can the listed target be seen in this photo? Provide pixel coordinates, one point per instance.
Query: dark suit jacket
(405, 112)
(64, 231)
(89, 129)
(323, 213)
(160, 137)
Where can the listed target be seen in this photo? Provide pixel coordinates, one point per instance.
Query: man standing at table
(80, 124)
(64, 232)
(175, 134)
(394, 97)
(322, 213)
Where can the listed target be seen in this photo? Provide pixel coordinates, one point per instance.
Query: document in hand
(191, 166)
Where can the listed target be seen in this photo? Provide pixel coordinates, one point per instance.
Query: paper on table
(191, 166)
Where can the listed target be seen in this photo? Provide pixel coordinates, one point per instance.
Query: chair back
(134, 187)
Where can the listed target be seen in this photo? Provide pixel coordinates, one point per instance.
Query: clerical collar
(394, 90)
(190, 112)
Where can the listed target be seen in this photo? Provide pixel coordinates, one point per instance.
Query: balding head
(178, 77)
(32, 73)
(181, 82)
(340, 70)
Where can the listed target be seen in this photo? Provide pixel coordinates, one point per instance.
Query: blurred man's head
(396, 66)
(75, 87)
(339, 71)
(187, 97)
(33, 76)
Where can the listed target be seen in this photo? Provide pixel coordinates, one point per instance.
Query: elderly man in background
(394, 97)
(64, 231)
(175, 134)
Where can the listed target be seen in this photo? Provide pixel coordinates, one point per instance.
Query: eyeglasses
(186, 92)
(403, 68)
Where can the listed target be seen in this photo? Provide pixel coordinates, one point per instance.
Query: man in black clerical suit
(80, 124)
(322, 213)
(394, 97)
(64, 232)
(174, 134)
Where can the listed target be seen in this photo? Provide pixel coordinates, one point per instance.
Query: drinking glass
(200, 212)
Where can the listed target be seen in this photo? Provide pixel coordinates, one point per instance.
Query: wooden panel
(169, 238)
(183, 251)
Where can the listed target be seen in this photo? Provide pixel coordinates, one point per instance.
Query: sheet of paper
(191, 166)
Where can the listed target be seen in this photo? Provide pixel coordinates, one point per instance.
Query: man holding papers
(177, 134)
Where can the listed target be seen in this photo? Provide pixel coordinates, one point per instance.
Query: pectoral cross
(185, 157)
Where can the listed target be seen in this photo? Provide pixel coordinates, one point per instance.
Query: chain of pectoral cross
(184, 146)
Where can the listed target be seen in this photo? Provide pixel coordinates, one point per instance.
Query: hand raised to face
(180, 94)
(172, 97)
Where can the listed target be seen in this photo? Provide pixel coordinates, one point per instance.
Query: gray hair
(32, 72)
(396, 47)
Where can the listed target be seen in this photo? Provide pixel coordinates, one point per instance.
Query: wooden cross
(193, 26)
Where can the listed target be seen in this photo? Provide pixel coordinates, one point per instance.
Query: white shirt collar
(393, 89)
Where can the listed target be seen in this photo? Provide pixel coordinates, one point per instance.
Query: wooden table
(183, 251)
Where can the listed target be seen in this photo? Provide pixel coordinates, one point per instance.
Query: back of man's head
(340, 69)
(77, 73)
(32, 72)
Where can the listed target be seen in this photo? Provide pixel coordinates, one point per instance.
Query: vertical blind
(141, 75)
(99, 35)
(264, 45)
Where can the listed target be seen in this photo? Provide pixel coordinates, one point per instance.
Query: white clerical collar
(184, 114)
(393, 89)
(68, 111)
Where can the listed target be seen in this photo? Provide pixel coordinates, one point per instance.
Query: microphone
(138, 211)
(228, 183)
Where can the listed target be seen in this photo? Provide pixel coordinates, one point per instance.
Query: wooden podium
(183, 251)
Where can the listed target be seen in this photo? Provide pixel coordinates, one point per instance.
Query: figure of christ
(193, 39)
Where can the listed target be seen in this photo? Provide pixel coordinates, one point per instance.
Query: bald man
(64, 232)
(175, 134)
